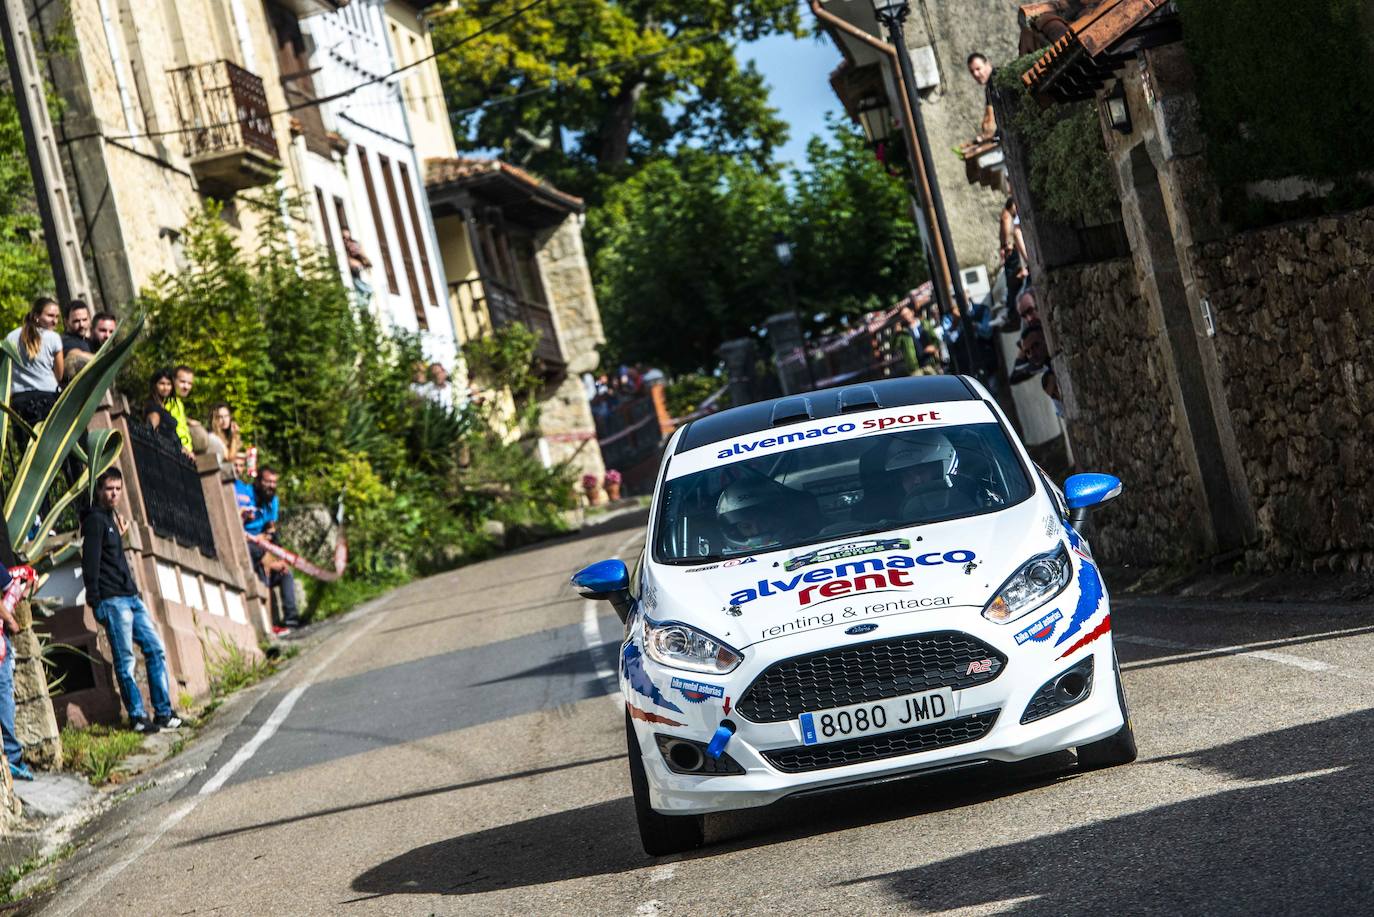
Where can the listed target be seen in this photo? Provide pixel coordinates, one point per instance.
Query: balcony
(505, 307)
(226, 127)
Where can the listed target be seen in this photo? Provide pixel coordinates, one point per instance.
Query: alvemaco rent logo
(853, 576)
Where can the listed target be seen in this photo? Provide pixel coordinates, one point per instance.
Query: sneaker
(21, 772)
(291, 623)
(145, 726)
(278, 630)
(170, 721)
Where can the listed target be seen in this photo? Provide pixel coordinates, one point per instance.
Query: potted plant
(612, 482)
(591, 486)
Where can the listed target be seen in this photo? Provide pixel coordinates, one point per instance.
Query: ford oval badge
(861, 628)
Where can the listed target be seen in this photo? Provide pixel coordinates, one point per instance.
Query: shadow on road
(602, 839)
(1298, 843)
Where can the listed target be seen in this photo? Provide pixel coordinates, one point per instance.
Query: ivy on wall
(1284, 89)
(1068, 162)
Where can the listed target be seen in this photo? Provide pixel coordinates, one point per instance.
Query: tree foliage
(326, 395)
(857, 244)
(24, 271)
(578, 89)
(684, 257)
(684, 250)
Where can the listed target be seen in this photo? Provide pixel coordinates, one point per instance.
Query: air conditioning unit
(976, 285)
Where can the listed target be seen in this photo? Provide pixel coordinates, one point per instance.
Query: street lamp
(1118, 112)
(782, 247)
(875, 116)
(893, 13)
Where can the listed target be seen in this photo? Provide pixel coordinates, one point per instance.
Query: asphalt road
(458, 748)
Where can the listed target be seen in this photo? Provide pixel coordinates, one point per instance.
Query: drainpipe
(944, 278)
(117, 64)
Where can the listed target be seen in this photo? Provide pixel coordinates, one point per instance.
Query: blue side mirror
(1083, 491)
(608, 580)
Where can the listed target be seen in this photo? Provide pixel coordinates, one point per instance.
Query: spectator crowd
(49, 348)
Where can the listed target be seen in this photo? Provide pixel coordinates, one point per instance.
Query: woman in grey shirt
(40, 361)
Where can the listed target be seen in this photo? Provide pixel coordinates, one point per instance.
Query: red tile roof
(1075, 56)
(442, 172)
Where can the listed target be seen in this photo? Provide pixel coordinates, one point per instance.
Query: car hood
(851, 580)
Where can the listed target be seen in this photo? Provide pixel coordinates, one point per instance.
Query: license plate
(876, 717)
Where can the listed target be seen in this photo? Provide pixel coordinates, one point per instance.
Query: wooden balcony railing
(505, 307)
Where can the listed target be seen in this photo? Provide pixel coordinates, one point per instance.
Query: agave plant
(51, 442)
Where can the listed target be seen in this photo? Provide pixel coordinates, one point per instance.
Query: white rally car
(859, 583)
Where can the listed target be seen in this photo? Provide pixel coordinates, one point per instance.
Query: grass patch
(329, 599)
(96, 750)
(10, 876)
(232, 669)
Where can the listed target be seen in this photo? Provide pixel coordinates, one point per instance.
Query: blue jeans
(13, 750)
(127, 621)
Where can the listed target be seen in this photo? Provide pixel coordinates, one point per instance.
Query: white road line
(1193, 651)
(93, 886)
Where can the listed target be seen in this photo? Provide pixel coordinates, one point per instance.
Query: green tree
(857, 245)
(577, 89)
(684, 250)
(24, 271)
(684, 258)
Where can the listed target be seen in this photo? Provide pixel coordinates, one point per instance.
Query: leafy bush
(325, 392)
(1068, 166)
(685, 394)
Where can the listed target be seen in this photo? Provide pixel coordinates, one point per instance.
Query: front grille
(1048, 700)
(802, 758)
(867, 672)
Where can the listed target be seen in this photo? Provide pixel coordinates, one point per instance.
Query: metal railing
(221, 108)
(172, 494)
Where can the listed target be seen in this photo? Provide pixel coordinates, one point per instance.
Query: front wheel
(659, 834)
(1117, 748)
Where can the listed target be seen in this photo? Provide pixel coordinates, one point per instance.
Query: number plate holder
(895, 713)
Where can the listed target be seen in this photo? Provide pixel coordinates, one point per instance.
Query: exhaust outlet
(685, 755)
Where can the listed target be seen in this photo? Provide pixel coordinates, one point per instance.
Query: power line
(310, 103)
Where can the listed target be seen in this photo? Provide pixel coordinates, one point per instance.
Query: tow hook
(724, 731)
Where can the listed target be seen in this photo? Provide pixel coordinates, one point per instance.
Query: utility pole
(893, 13)
(49, 185)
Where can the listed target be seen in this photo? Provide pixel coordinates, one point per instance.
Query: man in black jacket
(112, 595)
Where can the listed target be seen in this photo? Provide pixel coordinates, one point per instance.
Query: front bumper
(1006, 697)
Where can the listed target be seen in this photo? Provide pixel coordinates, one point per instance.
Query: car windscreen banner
(830, 430)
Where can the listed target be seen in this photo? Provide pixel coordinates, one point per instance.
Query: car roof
(828, 402)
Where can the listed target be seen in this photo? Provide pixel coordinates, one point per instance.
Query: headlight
(1039, 580)
(683, 647)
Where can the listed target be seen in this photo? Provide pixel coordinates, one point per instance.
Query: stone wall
(1293, 307)
(1120, 414)
(565, 414)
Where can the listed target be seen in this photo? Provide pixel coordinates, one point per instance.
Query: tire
(659, 834)
(1117, 748)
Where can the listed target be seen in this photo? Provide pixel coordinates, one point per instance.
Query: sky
(798, 74)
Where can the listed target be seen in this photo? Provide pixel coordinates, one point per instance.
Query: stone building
(164, 105)
(1222, 374)
(513, 248)
(940, 35)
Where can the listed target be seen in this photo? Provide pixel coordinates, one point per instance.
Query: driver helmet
(750, 512)
(927, 462)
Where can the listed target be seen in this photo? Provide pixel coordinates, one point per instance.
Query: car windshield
(855, 486)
